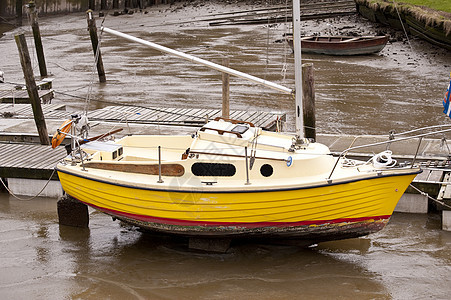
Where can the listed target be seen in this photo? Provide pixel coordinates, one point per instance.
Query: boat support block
(72, 212)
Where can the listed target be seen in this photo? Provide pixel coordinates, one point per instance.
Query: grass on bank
(443, 5)
(436, 13)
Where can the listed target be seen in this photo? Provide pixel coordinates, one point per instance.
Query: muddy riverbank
(400, 88)
(428, 24)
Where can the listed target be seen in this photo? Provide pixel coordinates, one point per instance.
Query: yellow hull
(343, 209)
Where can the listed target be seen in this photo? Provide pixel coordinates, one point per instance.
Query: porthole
(266, 170)
(213, 169)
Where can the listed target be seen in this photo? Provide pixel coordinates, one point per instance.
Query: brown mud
(400, 88)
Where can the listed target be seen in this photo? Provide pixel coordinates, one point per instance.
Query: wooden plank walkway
(21, 96)
(145, 115)
(24, 111)
(29, 161)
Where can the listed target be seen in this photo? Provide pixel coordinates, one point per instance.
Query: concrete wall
(446, 220)
(31, 187)
(412, 203)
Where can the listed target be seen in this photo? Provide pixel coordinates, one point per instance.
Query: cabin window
(266, 170)
(114, 154)
(213, 169)
(120, 151)
(240, 129)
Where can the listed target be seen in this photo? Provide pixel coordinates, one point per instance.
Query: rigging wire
(285, 44)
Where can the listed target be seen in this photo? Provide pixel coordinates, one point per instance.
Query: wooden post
(103, 4)
(2, 7)
(37, 38)
(32, 89)
(115, 4)
(72, 212)
(92, 4)
(308, 100)
(19, 12)
(95, 44)
(225, 90)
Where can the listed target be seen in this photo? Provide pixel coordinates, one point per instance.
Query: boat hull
(325, 212)
(335, 46)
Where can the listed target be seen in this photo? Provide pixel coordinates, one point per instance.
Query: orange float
(60, 133)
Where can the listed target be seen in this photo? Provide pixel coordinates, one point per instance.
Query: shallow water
(39, 259)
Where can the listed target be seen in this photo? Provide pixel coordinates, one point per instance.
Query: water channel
(401, 88)
(39, 259)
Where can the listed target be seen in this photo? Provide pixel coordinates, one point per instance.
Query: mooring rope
(33, 197)
(402, 24)
(432, 198)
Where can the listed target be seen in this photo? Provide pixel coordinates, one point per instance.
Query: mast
(298, 69)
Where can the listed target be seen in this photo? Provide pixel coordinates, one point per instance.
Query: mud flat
(433, 26)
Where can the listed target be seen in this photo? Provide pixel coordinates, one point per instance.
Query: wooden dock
(280, 14)
(21, 96)
(146, 115)
(29, 161)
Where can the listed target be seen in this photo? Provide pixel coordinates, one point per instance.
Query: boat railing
(392, 139)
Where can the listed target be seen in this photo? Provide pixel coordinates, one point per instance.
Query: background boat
(340, 45)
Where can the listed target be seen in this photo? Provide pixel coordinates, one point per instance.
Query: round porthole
(266, 170)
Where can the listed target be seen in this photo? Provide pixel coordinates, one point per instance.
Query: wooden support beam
(37, 38)
(72, 212)
(92, 4)
(103, 5)
(32, 89)
(95, 45)
(19, 12)
(308, 100)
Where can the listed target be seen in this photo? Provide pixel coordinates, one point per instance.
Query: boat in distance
(232, 179)
(340, 45)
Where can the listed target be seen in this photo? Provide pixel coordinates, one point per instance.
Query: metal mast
(298, 68)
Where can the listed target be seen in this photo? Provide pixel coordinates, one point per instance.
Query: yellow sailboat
(232, 179)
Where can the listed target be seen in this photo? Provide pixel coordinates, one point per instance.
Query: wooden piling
(72, 212)
(32, 89)
(225, 90)
(95, 44)
(19, 5)
(115, 4)
(308, 101)
(103, 5)
(3, 5)
(92, 4)
(37, 38)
